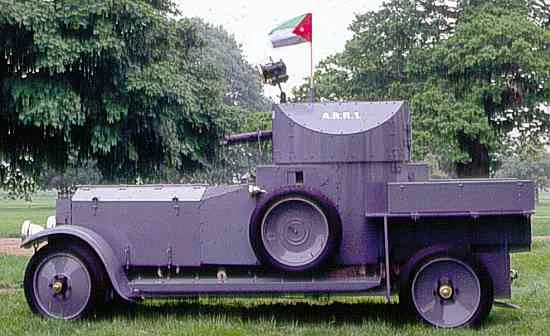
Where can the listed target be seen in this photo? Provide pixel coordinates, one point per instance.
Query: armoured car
(341, 210)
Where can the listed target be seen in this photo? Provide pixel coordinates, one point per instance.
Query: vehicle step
(192, 286)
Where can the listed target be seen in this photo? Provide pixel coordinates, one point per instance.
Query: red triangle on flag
(304, 28)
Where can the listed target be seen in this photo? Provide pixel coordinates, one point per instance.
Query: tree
(491, 77)
(373, 64)
(474, 71)
(15, 182)
(530, 163)
(541, 12)
(76, 173)
(111, 81)
(236, 163)
(241, 81)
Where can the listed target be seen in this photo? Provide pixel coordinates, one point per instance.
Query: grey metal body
(356, 154)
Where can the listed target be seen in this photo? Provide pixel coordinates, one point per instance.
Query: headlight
(51, 222)
(28, 229)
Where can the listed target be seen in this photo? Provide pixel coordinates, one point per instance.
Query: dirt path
(10, 246)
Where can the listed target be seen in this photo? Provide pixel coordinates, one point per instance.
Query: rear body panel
(462, 197)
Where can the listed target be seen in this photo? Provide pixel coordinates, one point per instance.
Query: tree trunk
(479, 154)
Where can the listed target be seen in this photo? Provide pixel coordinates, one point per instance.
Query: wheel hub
(445, 291)
(296, 233)
(57, 287)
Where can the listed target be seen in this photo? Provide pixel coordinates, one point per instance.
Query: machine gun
(238, 138)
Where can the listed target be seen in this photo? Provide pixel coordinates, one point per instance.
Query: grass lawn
(12, 269)
(541, 220)
(334, 316)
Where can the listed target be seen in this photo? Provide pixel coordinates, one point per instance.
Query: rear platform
(474, 197)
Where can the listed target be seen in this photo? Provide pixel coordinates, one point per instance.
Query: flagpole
(311, 89)
(295, 31)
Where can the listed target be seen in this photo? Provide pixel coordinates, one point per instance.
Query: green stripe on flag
(289, 24)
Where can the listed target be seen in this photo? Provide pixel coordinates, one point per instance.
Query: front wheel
(448, 291)
(64, 282)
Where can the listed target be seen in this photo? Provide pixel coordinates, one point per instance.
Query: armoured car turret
(341, 209)
(358, 132)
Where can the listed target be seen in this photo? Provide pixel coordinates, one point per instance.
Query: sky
(252, 20)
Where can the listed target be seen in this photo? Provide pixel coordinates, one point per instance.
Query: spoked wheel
(295, 230)
(64, 282)
(449, 292)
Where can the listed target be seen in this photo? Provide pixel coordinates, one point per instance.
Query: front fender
(113, 265)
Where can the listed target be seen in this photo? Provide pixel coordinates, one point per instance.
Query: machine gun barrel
(233, 139)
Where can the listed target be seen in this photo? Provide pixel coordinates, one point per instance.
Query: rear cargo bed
(461, 197)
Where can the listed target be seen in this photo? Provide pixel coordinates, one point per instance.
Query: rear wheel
(64, 282)
(449, 291)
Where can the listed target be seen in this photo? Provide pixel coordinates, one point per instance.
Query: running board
(189, 286)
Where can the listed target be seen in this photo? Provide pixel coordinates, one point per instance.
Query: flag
(294, 31)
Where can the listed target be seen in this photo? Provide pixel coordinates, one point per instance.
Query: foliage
(76, 173)
(373, 63)
(252, 122)
(530, 163)
(112, 81)
(237, 163)
(475, 72)
(540, 12)
(18, 184)
(488, 79)
(241, 81)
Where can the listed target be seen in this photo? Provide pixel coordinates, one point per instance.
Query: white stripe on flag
(285, 37)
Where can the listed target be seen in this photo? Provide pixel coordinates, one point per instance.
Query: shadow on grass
(334, 313)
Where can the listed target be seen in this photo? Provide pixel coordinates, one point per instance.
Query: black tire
(480, 280)
(88, 266)
(316, 200)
